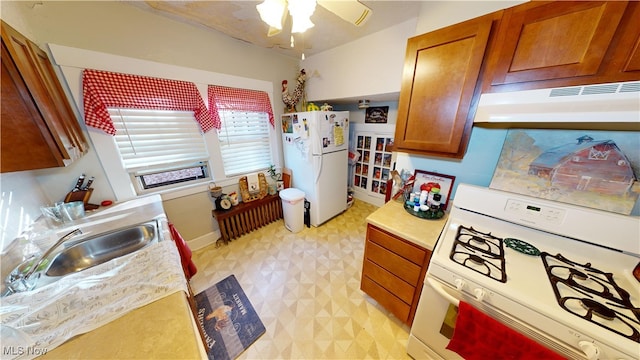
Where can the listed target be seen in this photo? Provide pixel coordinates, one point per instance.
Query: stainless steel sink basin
(83, 253)
(98, 249)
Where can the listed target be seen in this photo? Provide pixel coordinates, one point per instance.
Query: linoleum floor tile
(306, 289)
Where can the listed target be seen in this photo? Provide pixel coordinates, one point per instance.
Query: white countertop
(393, 218)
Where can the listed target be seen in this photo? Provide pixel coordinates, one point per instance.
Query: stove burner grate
(480, 252)
(598, 309)
(594, 288)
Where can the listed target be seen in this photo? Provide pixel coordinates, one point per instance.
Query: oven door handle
(442, 292)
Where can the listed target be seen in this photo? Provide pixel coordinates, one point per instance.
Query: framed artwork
(445, 182)
(376, 115)
(596, 169)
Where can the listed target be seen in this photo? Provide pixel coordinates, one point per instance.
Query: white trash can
(293, 209)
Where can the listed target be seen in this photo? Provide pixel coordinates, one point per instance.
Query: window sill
(191, 189)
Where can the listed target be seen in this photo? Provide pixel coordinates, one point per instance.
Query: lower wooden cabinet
(393, 271)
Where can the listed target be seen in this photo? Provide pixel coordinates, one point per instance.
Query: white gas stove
(557, 273)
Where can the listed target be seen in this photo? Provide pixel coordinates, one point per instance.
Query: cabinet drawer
(393, 263)
(387, 299)
(389, 281)
(404, 249)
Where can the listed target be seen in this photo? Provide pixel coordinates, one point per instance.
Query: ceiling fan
(274, 12)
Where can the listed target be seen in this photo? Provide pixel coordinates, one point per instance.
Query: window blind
(152, 140)
(244, 141)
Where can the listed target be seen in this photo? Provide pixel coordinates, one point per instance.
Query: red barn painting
(586, 165)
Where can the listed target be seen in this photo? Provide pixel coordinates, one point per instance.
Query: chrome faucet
(18, 279)
(49, 251)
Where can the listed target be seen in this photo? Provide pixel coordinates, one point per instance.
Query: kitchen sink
(98, 249)
(81, 254)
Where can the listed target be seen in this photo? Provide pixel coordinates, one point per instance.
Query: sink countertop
(393, 218)
(164, 329)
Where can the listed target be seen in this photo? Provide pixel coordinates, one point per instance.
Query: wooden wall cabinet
(439, 81)
(39, 127)
(393, 271)
(554, 44)
(539, 44)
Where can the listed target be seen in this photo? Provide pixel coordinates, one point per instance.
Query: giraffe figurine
(290, 101)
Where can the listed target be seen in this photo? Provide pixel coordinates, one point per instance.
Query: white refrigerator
(315, 146)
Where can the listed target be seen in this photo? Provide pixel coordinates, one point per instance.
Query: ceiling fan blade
(352, 11)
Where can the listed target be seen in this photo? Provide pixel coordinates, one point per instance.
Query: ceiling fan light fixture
(301, 11)
(273, 12)
(301, 25)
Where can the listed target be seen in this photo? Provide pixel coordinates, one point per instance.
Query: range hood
(591, 104)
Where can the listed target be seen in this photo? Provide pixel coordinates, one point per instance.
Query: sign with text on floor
(228, 320)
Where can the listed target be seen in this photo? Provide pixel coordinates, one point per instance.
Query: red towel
(479, 337)
(185, 253)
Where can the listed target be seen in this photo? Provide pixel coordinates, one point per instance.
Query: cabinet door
(626, 53)
(26, 142)
(633, 62)
(47, 101)
(438, 84)
(68, 124)
(562, 39)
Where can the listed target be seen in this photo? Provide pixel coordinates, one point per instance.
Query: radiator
(246, 217)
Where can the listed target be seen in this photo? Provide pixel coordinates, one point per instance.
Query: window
(244, 141)
(246, 117)
(160, 147)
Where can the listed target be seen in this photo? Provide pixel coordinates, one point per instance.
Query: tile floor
(306, 289)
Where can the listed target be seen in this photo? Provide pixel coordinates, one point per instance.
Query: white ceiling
(240, 20)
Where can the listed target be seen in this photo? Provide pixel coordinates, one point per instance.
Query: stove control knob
(459, 284)
(479, 294)
(590, 349)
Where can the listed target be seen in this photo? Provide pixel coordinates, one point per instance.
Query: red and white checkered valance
(103, 89)
(228, 98)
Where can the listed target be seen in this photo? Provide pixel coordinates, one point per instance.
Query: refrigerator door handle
(317, 144)
(319, 168)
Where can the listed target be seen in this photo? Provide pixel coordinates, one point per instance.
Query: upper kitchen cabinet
(39, 127)
(439, 81)
(625, 48)
(552, 44)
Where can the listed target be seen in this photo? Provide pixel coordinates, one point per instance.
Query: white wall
(438, 14)
(371, 65)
